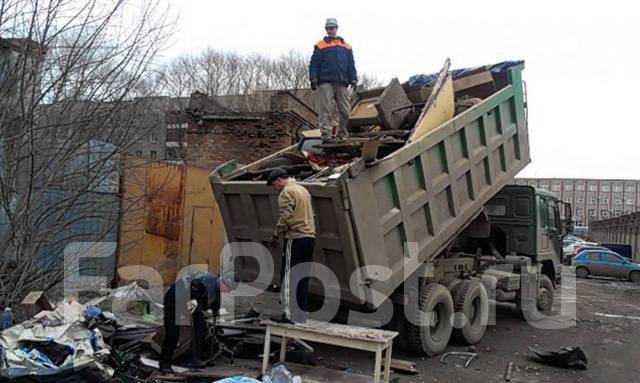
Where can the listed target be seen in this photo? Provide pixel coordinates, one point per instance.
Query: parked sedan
(606, 264)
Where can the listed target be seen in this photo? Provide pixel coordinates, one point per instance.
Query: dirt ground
(607, 329)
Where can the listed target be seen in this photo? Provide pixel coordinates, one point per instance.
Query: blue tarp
(428, 79)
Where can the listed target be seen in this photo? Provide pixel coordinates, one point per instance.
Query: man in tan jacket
(296, 222)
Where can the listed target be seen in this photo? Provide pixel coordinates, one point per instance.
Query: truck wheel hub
(544, 299)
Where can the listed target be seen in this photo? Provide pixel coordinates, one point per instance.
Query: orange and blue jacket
(332, 61)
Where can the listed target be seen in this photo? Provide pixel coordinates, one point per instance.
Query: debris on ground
(468, 356)
(52, 342)
(569, 357)
(509, 372)
(404, 366)
(280, 374)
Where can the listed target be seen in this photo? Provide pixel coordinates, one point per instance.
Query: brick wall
(221, 129)
(218, 141)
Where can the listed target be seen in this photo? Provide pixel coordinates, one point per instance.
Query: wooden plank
(440, 107)
(338, 330)
(404, 366)
(471, 81)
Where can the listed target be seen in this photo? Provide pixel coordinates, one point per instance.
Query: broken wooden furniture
(385, 107)
(378, 341)
(35, 302)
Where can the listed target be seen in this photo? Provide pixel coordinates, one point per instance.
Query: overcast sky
(581, 59)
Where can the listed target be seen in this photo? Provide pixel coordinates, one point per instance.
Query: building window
(592, 212)
(604, 200)
(154, 136)
(617, 188)
(604, 213)
(618, 201)
(593, 187)
(593, 200)
(631, 189)
(579, 199)
(579, 212)
(568, 187)
(544, 185)
(556, 187)
(604, 188)
(630, 202)
(616, 213)
(139, 153)
(153, 154)
(580, 187)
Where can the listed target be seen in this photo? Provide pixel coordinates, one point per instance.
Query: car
(606, 264)
(568, 257)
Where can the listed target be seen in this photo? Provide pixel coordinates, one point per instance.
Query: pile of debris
(117, 336)
(83, 341)
(385, 120)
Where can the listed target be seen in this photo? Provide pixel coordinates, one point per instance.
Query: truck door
(550, 243)
(554, 230)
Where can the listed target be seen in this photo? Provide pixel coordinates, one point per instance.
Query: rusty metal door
(201, 240)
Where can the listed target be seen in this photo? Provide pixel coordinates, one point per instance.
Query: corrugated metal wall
(169, 218)
(624, 229)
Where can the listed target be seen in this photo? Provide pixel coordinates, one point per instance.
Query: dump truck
(432, 226)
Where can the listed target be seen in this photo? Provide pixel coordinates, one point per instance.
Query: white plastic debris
(280, 374)
(51, 342)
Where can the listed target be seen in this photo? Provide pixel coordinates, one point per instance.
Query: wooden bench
(359, 338)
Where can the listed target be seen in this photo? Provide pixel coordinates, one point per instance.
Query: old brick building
(245, 128)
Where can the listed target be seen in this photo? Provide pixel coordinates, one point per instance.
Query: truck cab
(530, 222)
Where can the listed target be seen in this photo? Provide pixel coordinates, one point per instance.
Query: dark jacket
(332, 61)
(204, 288)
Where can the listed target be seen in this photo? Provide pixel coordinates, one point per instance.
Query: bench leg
(283, 348)
(387, 364)
(266, 351)
(377, 369)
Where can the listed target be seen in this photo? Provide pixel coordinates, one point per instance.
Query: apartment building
(592, 199)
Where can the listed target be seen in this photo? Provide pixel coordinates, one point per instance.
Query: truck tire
(582, 272)
(471, 312)
(545, 295)
(634, 276)
(426, 333)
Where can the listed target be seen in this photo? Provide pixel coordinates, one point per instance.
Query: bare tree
(71, 73)
(219, 73)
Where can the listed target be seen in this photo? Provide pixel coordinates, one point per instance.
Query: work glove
(354, 85)
(192, 305)
(314, 84)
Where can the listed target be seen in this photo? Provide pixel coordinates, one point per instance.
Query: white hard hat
(331, 22)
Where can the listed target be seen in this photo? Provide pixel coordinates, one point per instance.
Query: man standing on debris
(296, 222)
(331, 71)
(203, 289)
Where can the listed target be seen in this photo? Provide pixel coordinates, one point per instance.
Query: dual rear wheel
(441, 315)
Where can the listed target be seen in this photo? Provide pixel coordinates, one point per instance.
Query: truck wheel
(634, 276)
(544, 301)
(471, 307)
(430, 328)
(582, 272)
(545, 295)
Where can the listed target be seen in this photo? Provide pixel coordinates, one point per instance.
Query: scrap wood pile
(386, 119)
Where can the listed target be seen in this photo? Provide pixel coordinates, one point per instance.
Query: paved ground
(602, 316)
(607, 329)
